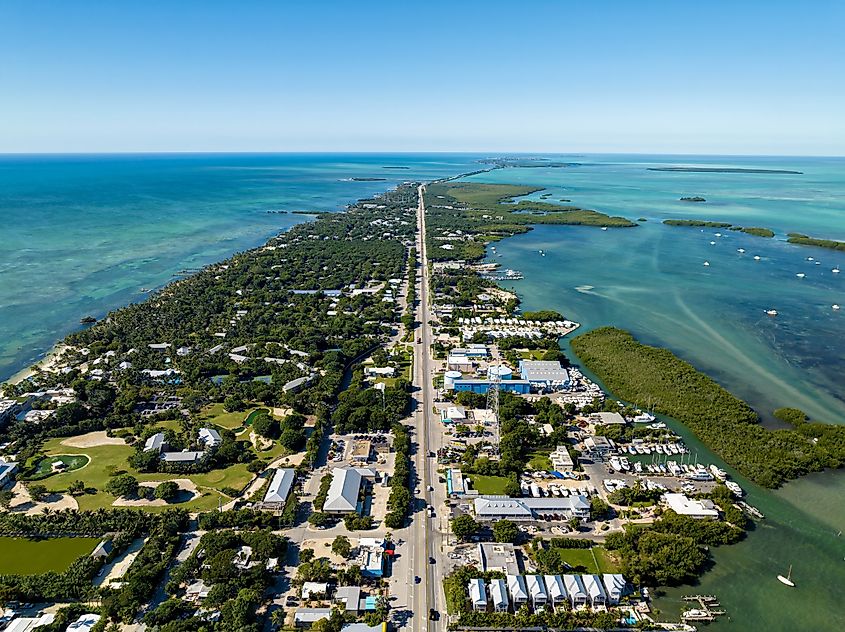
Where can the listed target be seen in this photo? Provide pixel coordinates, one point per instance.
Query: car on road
(417, 579)
(430, 488)
(431, 560)
(433, 615)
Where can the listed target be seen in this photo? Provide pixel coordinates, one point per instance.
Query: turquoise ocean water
(84, 234)
(652, 280)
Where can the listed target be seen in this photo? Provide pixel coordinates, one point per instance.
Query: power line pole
(493, 378)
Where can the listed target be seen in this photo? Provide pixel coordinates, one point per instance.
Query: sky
(718, 77)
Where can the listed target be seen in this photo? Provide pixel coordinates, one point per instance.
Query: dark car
(431, 560)
(433, 615)
(417, 579)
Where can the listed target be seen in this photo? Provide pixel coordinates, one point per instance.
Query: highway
(427, 532)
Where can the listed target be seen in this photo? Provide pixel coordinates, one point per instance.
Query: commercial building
(344, 489)
(477, 594)
(537, 591)
(519, 387)
(615, 586)
(575, 590)
(556, 589)
(544, 373)
(497, 507)
(699, 509)
(561, 459)
(608, 419)
(517, 591)
(455, 485)
(84, 623)
(471, 351)
(279, 489)
(459, 363)
(499, 595)
(498, 556)
(594, 589)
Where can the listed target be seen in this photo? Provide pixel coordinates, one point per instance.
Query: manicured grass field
(489, 484)
(105, 460)
(22, 556)
(72, 462)
(216, 415)
(594, 560)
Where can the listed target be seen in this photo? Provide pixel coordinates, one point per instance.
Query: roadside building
(477, 594)
(537, 591)
(349, 598)
(498, 507)
(498, 556)
(615, 587)
(459, 363)
(517, 591)
(279, 488)
(478, 351)
(557, 591)
(345, 488)
(380, 371)
(575, 590)
(595, 590)
(597, 446)
(519, 387)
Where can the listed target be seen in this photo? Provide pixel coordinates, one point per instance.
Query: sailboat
(787, 581)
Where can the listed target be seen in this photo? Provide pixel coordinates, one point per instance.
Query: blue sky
(560, 76)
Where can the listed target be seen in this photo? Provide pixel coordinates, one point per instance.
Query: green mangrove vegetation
(643, 374)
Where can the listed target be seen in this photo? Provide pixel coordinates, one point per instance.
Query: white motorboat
(706, 263)
(740, 250)
(772, 312)
(800, 275)
(756, 257)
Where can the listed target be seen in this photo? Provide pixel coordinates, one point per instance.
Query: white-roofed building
(310, 589)
(615, 587)
(544, 373)
(498, 556)
(556, 590)
(306, 617)
(575, 590)
(497, 507)
(343, 491)
(594, 589)
(683, 506)
(537, 591)
(561, 459)
(459, 363)
(279, 488)
(209, 437)
(83, 623)
(499, 595)
(517, 590)
(477, 594)
(7, 472)
(608, 419)
(25, 624)
(155, 443)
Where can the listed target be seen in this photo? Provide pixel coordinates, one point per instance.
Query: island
(694, 198)
(804, 240)
(751, 230)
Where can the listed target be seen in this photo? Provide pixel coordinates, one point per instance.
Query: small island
(757, 231)
(694, 198)
(804, 240)
(368, 179)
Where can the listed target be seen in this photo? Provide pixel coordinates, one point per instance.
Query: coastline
(47, 362)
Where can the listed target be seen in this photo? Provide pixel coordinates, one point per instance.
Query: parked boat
(787, 581)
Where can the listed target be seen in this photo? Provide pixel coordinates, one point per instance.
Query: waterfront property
(704, 509)
(544, 373)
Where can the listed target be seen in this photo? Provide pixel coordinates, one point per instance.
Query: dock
(708, 608)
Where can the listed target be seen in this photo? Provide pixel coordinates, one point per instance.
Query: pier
(708, 608)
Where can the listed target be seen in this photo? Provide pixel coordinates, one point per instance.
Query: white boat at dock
(735, 489)
(718, 472)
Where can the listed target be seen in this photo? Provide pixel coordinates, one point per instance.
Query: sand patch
(23, 503)
(282, 411)
(92, 440)
(187, 492)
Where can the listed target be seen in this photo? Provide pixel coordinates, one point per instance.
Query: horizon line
(502, 154)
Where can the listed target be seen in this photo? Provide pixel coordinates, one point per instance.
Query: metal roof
(343, 490)
(280, 486)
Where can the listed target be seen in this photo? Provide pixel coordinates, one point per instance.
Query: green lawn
(111, 458)
(593, 561)
(22, 556)
(489, 484)
(72, 462)
(540, 460)
(215, 414)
